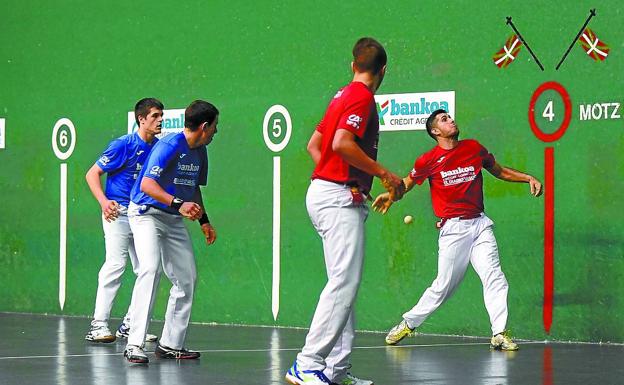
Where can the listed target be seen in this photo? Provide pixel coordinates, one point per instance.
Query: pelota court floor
(37, 349)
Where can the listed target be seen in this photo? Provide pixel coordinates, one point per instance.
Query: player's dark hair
(199, 112)
(431, 119)
(143, 106)
(369, 55)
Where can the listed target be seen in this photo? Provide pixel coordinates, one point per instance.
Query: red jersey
(352, 109)
(454, 177)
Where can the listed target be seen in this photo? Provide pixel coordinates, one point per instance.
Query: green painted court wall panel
(90, 62)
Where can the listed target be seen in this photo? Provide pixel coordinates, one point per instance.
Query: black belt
(442, 221)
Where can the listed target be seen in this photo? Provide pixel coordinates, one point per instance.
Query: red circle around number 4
(567, 113)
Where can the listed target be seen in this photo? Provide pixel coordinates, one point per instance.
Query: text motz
(598, 111)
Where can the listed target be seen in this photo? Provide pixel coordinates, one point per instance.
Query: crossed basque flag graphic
(586, 38)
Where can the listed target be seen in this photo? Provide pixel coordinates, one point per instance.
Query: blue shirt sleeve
(158, 159)
(114, 157)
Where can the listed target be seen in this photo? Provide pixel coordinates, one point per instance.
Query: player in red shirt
(344, 149)
(453, 168)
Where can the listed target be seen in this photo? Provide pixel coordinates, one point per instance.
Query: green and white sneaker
(350, 379)
(398, 332)
(503, 341)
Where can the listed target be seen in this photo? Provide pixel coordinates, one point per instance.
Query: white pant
(460, 242)
(119, 245)
(341, 226)
(157, 232)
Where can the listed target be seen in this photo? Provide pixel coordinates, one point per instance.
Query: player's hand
(382, 203)
(394, 185)
(209, 232)
(190, 210)
(198, 214)
(536, 187)
(110, 210)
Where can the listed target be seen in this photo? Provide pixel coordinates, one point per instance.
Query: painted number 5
(277, 128)
(548, 111)
(277, 134)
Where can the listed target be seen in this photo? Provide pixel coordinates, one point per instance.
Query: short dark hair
(431, 119)
(369, 55)
(199, 112)
(143, 107)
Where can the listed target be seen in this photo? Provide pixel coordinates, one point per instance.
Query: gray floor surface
(40, 350)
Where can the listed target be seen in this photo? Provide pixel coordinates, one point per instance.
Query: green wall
(92, 62)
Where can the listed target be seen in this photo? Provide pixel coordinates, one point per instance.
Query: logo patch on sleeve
(156, 171)
(354, 120)
(104, 160)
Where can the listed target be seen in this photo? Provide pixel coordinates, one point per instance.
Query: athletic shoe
(503, 341)
(135, 354)
(295, 376)
(181, 354)
(398, 332)
(99, 332)
(123, 331)
(350, 379)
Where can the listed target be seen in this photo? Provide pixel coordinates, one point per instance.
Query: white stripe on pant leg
(116, 239)
(485, 260)
(454, 241)
(146, 229)
(179, 266)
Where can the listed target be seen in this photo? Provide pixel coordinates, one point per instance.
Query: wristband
(176, 203)
(203, 219)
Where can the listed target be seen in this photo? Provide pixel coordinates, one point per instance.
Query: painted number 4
(548, 111)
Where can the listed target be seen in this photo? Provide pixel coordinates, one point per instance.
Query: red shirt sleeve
(420, 172)
(487, 159)
(355, 114)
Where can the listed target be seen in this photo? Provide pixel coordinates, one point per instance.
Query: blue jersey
(122, 161)
(178, 169)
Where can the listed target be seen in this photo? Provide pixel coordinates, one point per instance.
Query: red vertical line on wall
(547, 372)
(549, 236)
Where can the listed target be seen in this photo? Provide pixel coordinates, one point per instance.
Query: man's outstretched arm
(510, 175)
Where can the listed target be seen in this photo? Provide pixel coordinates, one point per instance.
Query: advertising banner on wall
(402, 112)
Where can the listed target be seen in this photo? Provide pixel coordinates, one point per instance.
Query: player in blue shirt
(166, 192)
(121, 162)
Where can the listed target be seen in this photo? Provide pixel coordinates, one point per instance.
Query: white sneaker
(99, 332)
(295, 376)
(135, 355)
(350, 379)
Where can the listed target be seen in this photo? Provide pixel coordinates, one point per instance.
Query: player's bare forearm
(409, 183)
(511, 175)
(314, 146)
(189, 210)
(110, 209)
(94, 180)
(344, 144)
(154, 190)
